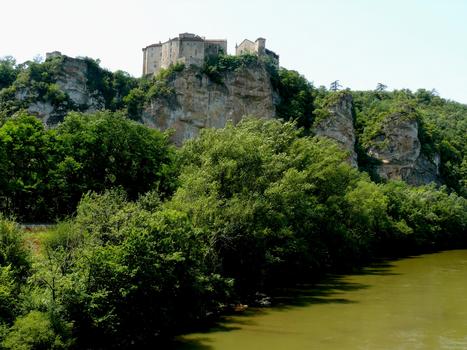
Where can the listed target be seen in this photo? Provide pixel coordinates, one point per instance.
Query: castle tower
(260, 46)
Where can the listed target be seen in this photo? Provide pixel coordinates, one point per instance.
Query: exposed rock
(339, 126)
(399, 150)
(199, 103)
(43, 110)
(73, 79)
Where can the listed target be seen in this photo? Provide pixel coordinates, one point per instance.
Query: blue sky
(401, 43)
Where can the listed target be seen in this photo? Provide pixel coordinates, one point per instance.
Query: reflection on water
(413, 303)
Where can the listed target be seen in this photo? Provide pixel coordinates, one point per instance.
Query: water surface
(413, 303)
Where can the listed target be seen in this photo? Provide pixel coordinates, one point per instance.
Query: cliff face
(339, 125)
(72, 80)
(198, 102)
(398, 148)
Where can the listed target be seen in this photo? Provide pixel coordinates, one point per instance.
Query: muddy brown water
(413, 303)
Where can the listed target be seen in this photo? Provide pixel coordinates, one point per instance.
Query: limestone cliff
(73, 80)
(193, 100)
(199, 102)
(338, 124)
(70, 76)
(398, 148)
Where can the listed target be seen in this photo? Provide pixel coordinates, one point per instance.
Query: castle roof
(152, 45)
(247, 41)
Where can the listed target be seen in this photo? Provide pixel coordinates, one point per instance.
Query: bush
(34, 331)
(13, 254)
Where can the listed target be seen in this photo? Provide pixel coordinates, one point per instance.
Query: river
(413, 303)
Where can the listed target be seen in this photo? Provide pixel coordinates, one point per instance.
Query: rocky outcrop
(398, 149)
(198, 102)
(71, 79)
(337, 123)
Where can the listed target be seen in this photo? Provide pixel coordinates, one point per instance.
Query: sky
(400, 43)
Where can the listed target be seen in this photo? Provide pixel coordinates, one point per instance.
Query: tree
(15, 266)
(28, 151)
(256, 189)
(380, 87)
(8, 71)
(335, 86)
(297, 102)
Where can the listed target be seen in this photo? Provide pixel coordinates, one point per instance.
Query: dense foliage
(46, 171)
(252, 212)
(159, 239)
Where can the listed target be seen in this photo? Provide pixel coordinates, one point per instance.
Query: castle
(192, 49)
(257, 48)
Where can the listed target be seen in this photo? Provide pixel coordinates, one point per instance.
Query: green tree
(335, 86)
(380, 87)
(296, 95)
(27, 147)
(259, 190)
(8, 71)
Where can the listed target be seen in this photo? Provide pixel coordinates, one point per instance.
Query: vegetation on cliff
(36, 81)
(442, 127)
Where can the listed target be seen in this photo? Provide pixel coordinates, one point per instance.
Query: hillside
(160, 232)
(415, 136)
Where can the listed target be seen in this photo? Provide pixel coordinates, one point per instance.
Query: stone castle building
(187, 48)
(191, 49)
(257, 48)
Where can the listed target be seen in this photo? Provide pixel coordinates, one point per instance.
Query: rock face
(198, 102)
(71, 80)
(339, 125)
(398, 148)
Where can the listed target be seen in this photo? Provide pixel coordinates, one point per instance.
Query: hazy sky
(401, 43)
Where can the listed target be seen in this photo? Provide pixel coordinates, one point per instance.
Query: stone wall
(152, 56)
(215, 47)
(246, 46)
(256, 48)
(170, 53)
(191, 52)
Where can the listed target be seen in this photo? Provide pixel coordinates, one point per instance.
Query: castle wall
(188, 48)
(152, 59)
(191, 52)
(245, 47)
(215, 47)
(260, 46)
(256, 48)
(170, 52)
